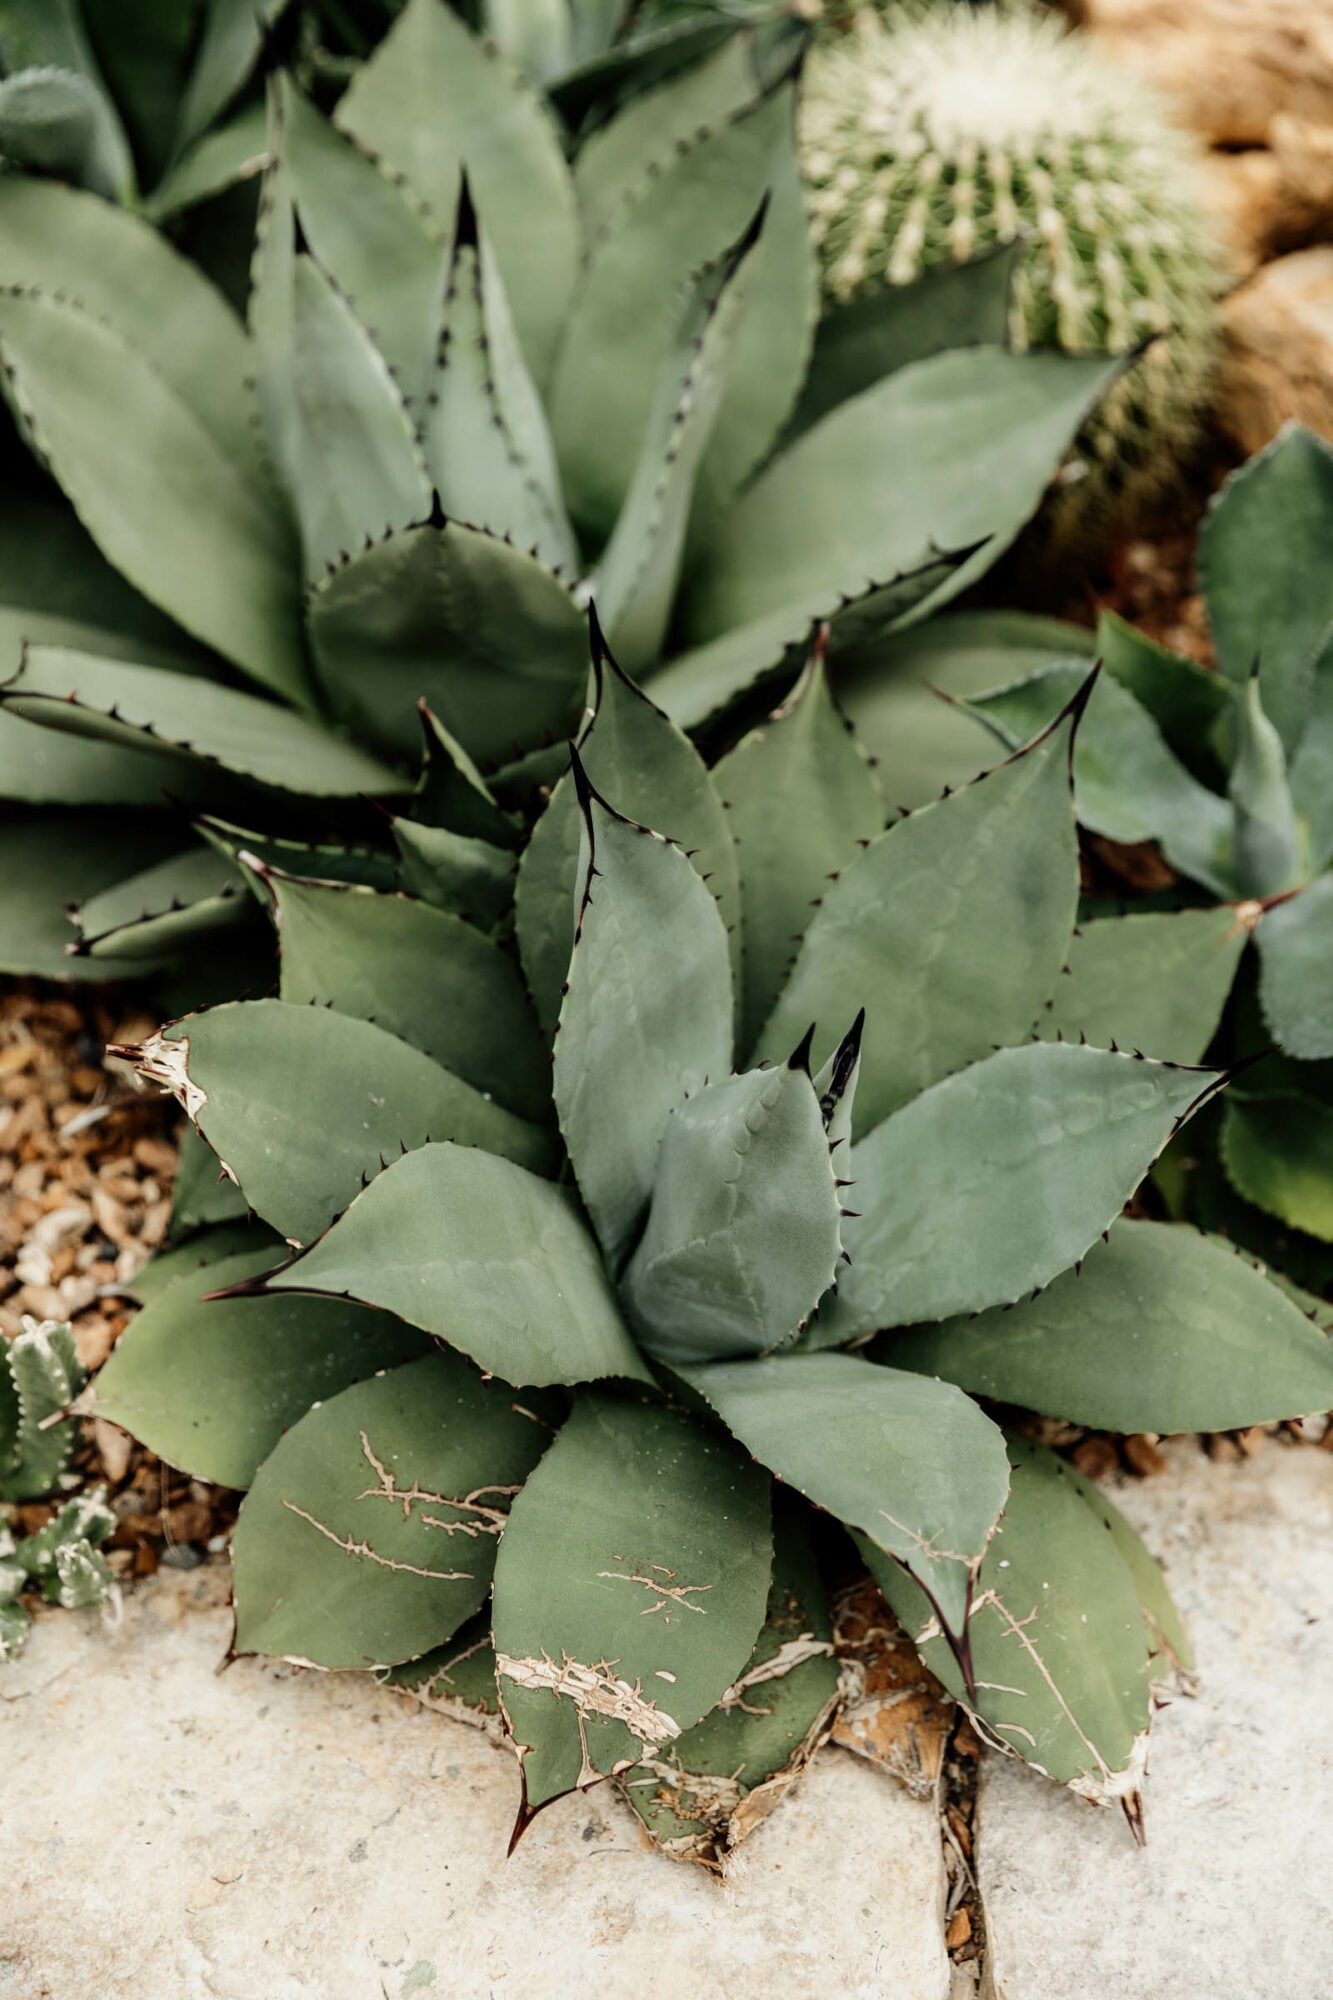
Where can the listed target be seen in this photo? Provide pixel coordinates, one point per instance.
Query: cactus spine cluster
(940, 130)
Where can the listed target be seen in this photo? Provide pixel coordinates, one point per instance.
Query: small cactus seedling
(39, 1377)
(935, 131)
(479, 384)
(534, 1414)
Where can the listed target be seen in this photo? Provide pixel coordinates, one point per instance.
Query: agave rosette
(600, 1312)
(478, 384)
(1229, 773)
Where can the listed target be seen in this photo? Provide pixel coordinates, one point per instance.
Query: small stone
(959, 1931)
(1277, 358)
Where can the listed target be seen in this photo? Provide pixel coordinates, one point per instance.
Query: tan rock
(1231, 66)
(1273, 199)
(1277, 357)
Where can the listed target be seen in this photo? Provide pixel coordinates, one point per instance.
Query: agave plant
(1229, 772)
(486, 383)
(549, 1419)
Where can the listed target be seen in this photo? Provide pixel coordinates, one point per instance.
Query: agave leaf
(457, 1677)
(635, 583)
(1278, 1154)
(640, 759)
(452, 793)
(368, 866)
(303, 1105)
(742, 1235)
(206, 1249)
(891, 693)
(802, 801)
(370, 235)
(433, 102)
(233, 36)
(646, 1018)
(492, 640)
(473, 1249)
(1164, 1330)
(992, 1182)
(40, 766)
(369, 1533)
(1312, 773)
(1170, 1655)
(1267, 848)
(149, 915)
(454, 872)
(638, 59)
(978, 891)
(45, 35)
(57, 239)
(614, 160)
(51, 121)
(1059, 1653)
(423, 974)
(982, 431)
(701, 1794)
(912, 1463)
(485, 433)
(629, 1590)
(1186, 701)
(212, 1387)
(357, 473)
(859, 343)
(219, 160)
(619, 325)
(770, 354)
(1264, 571)
(1154, 982)
(1127, 784)
(50, 859)
(203, 1196)
(534, 34)
(152, 710)
(705, 681)
(1295, 943)
(160, 498)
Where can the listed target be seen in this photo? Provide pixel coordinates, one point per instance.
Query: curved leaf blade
(302, 1105)
(1164, 1330)
(482, 1254)
(1155, 982)
(910, 1462)
(212, 1386)
(631, 1584)
(1295, 943)
(646, 1017)
(369, 1534)
(995, 1180)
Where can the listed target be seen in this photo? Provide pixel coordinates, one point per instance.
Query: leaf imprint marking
(354, 1548)
(665, 1594)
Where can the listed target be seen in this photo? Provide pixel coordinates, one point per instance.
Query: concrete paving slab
(1233, 1897)
(169, 1833)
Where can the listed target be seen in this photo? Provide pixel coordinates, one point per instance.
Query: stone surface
(1277, 359)
(1269, 200)
(1234, 1893)
(1230, 66)
(263, 1834)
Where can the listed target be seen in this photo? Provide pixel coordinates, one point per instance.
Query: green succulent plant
(1229, 773)
(543, 1414)
(932, 132)
(39, 1377)
(599, 378)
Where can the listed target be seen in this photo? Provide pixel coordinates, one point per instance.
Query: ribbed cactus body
(933, 133)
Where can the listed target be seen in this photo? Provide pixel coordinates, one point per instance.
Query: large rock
(1230, 66)
(263, 1834)
(1234, 1892)
(1272, 199)
(1277, 355)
